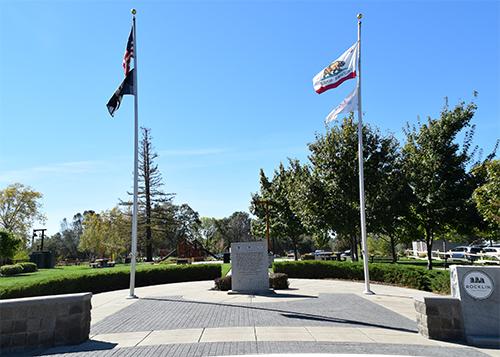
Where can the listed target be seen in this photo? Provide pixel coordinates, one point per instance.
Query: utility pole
(266, 204)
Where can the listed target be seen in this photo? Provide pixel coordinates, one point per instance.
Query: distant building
(419, 248)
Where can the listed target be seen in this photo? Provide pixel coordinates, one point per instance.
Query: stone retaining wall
(44, 321)
(440, 318)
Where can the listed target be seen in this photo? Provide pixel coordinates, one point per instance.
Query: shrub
(98, 281)
(278, 281)
(8, 244)
(9, 270)
(401, 275)
(28, 267)
(223, 284)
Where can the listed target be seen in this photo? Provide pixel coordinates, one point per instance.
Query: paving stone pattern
(341, 310)
(93, 348)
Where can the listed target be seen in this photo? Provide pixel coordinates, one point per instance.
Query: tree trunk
(295, 252)
(393, 250)
(354, 248)
(428, 241)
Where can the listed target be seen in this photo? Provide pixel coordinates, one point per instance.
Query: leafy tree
(187, 222)
(20, 207)
(389, 196)
(106, 234)
(9, 244)
(261, 205)
(235, 228)
(326, 195)
(64, 244)
(435, 167)
(210, 235)
(286, 225)
(323, 240)
(487, 196)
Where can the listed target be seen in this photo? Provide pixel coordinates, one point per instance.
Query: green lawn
(226, 267)
(423, 263)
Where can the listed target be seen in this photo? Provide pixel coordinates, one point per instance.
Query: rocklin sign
(478, 285)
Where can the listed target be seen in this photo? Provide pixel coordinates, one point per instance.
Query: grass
(423, 263)
(226, 267)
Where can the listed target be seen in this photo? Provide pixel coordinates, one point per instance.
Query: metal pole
(361, 173)
(267, 227)
(136, 166)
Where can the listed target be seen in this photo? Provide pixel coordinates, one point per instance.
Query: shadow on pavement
(277, 295)
(290, 314)
(87, 346)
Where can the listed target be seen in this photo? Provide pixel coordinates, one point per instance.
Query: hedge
(9, 270)
(28, 267)
(109, 279)
(277, 281)
(406, 276)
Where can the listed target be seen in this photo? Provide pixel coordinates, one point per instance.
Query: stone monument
(478, 289)
(471, 313)
(249, 268)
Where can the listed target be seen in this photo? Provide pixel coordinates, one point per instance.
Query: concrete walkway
(315, 316)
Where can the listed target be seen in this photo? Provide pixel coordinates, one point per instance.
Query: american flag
(129, 52)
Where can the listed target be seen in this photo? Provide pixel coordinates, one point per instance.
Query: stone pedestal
(440, 318)
(44, 321)
(249, 267)
(478, 289)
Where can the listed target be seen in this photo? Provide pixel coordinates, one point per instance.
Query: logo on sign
(478, 285)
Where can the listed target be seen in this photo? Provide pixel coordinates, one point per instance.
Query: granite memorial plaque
(249, 267)
(478, 289)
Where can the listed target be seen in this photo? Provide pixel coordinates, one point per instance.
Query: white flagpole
(136, 166)
(361, 173)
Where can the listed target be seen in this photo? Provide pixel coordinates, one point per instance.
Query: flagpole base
(132, 297)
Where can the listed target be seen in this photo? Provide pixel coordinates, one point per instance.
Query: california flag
(340, 70)
(349, 104)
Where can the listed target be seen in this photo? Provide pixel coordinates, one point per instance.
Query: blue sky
(225, 87)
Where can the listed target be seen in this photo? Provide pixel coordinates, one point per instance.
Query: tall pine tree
(150, 195)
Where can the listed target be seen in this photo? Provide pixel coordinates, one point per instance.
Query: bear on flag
(340, 70)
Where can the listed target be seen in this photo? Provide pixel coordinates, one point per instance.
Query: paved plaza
(313, 316)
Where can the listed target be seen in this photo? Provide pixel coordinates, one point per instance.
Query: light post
(266, 204)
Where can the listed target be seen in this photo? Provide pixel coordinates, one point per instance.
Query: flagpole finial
(359, 16)
(133, 11)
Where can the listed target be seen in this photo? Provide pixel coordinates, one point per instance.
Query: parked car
(346, 254)
(492, 251)
(464, 253)
(323, 255)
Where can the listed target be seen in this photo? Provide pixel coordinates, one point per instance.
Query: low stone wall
(44, 321)
(440, 318)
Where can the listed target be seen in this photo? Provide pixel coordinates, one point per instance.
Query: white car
(492, 252)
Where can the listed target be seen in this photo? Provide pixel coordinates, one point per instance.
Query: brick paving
(173, 312)
(97, 349)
